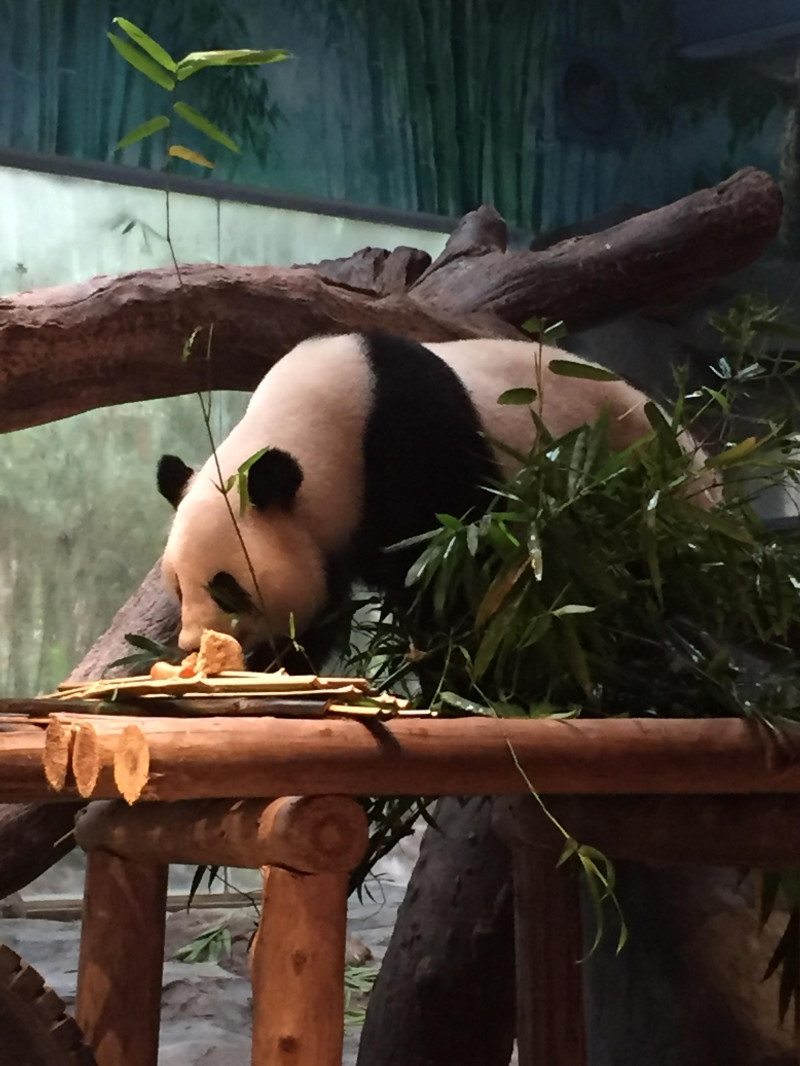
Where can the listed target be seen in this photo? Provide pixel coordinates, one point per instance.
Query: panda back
(424, 451)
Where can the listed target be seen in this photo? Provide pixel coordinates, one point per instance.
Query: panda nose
(189, 639)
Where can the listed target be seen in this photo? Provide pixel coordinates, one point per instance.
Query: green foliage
(598, 582)
(147, 652)
(358, 982)
(149, 58)
(212, 945)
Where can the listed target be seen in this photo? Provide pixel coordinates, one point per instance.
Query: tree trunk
(445, 992)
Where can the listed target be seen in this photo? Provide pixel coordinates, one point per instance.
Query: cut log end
(318, 834)
(131, 763)
(58, 753)
(86, 758)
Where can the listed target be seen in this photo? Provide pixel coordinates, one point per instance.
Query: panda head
(256, 572)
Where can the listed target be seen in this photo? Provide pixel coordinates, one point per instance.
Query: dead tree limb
(658, 257)
(116, 339)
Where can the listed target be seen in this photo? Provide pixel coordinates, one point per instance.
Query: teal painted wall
(431, 105)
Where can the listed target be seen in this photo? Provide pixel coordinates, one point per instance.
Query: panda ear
(172, 478)
(273, 479)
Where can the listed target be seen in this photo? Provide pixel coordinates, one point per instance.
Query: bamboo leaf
(153, 48)
(519, 397)
(459, 703)
(205, 125)
(662, 428)
(178, 151)
(153, 125)
(570, 368)
(489, 645)
(719, 523)
(188, 344)
(142, 62)
(576, 655)
(535, 553)
(236, 57)
(498, 590)
(731, 455)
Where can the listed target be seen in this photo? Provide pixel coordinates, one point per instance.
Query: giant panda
(369, 436)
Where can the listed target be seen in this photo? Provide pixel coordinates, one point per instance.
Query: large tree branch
(657, 257)
(115, 339)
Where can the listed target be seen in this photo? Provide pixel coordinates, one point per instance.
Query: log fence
(716, 791)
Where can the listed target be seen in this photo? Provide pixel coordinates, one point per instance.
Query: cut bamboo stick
(308, 834)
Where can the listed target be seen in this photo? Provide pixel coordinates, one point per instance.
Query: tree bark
(445, 991)
(116, 339)
(655, 258)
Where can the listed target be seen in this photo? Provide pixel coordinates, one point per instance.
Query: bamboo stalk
(230, 757)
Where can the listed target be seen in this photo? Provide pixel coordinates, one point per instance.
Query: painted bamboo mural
(430, 105)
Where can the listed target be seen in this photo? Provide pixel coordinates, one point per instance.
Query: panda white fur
(370, 436)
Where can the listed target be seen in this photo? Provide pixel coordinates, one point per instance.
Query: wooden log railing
(719, 791)
(306, 847)
(206, 758)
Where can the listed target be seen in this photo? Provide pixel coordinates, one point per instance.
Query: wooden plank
(121, 959)
(551, 1028)
(297, 969)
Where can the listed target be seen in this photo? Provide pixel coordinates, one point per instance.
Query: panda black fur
(370, 436)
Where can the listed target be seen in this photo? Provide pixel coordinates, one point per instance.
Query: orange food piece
(218, 652)
(161, 671)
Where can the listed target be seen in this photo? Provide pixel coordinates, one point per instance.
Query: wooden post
(548, 937)
(297, 966)
(121, 959)
(298, 959)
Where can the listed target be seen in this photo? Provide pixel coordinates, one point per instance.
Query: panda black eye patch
(228, 594)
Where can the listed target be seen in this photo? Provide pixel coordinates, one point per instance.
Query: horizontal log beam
(307, 834)
(114, 339)
(655, 258)
(761, 831)
(226, 758)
